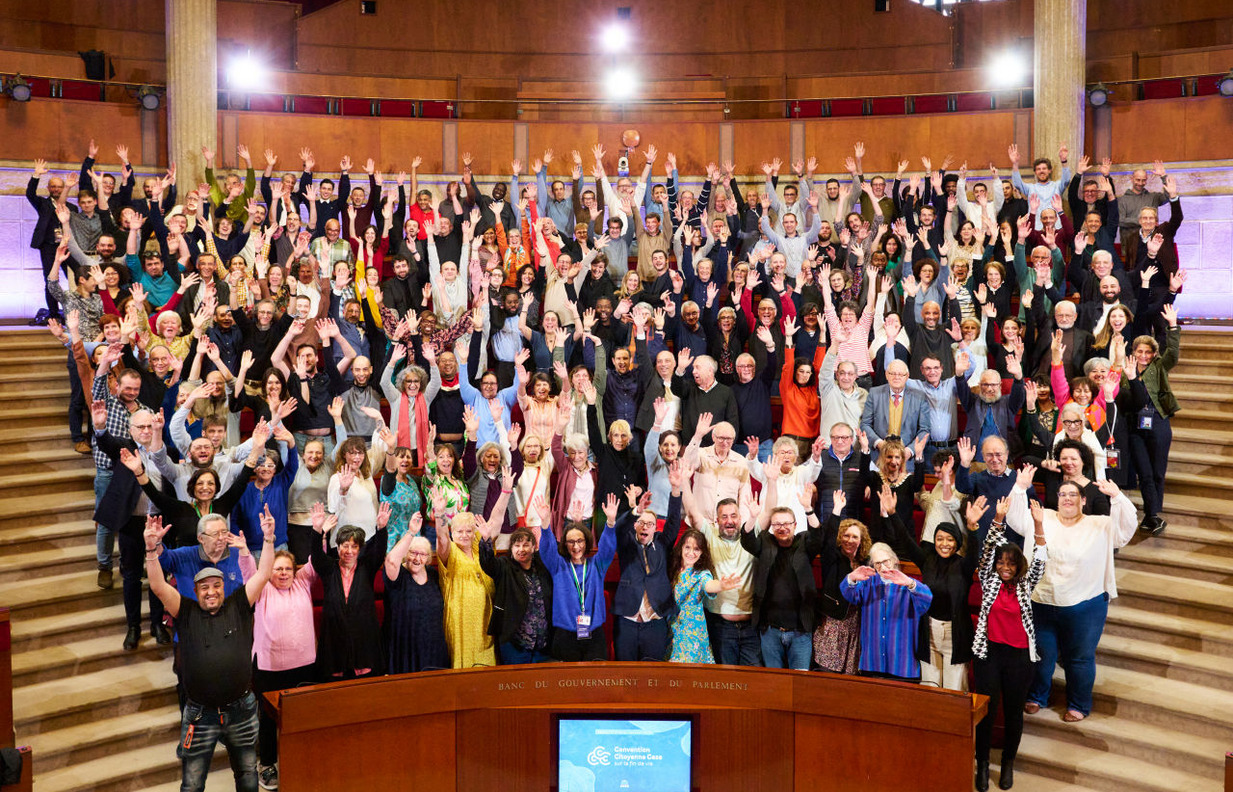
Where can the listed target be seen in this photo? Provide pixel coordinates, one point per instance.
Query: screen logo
(599, 756)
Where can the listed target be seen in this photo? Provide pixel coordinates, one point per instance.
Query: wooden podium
(758, 730)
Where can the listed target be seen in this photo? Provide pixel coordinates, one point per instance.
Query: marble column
(1059, 78)
(192, 85)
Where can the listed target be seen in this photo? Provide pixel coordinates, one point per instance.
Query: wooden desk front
(759, 730)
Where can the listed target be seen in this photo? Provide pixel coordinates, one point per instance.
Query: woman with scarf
(409, 401)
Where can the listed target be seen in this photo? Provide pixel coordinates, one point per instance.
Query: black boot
(1006, 779)
(982, 775)
(132, 637)
(159, 633)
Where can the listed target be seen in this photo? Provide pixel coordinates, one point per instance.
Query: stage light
(1098, 96)
(247, 73)
(18, 89)
(620, 84)
(1008, 70)
(615, 38)
(1225, 85)
(149, 98)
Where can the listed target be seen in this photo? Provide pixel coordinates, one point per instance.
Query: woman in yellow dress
(466, 589)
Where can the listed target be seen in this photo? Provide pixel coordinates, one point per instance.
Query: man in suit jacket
(657, 372)
(1137, 250)
(644, 601)
(207, 268)
(894, 412)
(46, 236)
(122, 508)
(1076, 340)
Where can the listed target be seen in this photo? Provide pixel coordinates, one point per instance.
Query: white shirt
(789, 487)
(1081, 555)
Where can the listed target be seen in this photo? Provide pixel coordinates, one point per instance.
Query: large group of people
(761, 399)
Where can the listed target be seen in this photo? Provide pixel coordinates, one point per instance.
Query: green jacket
(238, 209)
(1156, 376)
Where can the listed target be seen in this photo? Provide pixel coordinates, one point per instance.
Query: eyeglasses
(215, 534)
(645, 523)
(784, 524)
(575, 541)
(837, 438)
(1072, 421)
(721, 439)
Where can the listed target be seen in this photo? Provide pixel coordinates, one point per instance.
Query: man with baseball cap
(216, 650)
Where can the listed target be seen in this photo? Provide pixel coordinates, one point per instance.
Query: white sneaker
(267, 777)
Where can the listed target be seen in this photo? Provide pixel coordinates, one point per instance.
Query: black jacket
(952, 575)
(644, 568)
(804, 548)
(509, 596)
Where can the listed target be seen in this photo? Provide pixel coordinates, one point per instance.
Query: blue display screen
(609, 755)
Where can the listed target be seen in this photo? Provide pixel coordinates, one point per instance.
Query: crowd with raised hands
(761, 397)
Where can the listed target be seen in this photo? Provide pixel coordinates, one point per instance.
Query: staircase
(97, 717)
(1164, 683)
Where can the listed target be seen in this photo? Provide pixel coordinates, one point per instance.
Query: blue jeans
(104, 538)
(1068, 636)
(734, 642)
(236, 725)
(786, 648)
(513, 654)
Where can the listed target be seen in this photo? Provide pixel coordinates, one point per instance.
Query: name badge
(1145, 422)
(1113, 456)
(584, 626)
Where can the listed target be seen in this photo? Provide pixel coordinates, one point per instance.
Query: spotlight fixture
(247, 73)
(1225, 85)
(1098, 96)
(17, 89)
(615, 38)
(1007, 70)
(149, 98)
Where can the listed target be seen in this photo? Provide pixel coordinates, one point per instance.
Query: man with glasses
(753, 399)
(843, 400)
(214, 550)
(941, 414)
(720, 473)
(841, 470)
(783, 584)
(894, 412)
(993, 483)
(644, 601)
(990, 413)
(122, 512)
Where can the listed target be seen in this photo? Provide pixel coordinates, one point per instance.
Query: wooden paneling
(58, 131)
(758, 729)
(1173, 130)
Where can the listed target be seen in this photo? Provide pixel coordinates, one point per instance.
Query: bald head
(1110, 289)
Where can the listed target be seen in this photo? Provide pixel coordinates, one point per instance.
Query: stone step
(45, 342)
(146, 683)
(34, 438)
(1166, 662)
(38, 393)
(138, 768)
(1202, 756)
(30, 510)
(54, 594)
(1168, 703)
(89, 741)
(1194, 564)
(35, 362)
(1194, 510)
(1075, 763)
(84, 656)
(38, 414)
(77, 481)
(53, 376)
(1173, 595)
(52, 458)
(1183, 536)
(31, 634)
(1202, 441)
(38, 564)
(52, 535)
(1025, 780)
(1184, 460)
(1196, 635)
(1198, 484)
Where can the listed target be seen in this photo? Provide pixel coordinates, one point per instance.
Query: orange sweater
(802, 407)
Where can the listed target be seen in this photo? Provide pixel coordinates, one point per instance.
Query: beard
(990, 399)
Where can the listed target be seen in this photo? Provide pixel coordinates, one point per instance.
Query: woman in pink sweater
(284, 642)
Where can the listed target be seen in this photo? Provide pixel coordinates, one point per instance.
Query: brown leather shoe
(82, 447)
(105, 579)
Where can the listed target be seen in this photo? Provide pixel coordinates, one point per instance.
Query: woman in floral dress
(693, 577)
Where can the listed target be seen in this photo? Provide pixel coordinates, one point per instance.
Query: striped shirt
(856, 346)
(890, 614)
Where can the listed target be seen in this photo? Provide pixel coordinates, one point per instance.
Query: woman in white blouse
(1072, 600)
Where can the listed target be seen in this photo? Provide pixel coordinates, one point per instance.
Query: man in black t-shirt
(216, 649)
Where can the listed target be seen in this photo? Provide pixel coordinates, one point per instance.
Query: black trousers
(567, 648)
(1004, 677)
(132, 565)
(1149, 449)
(640, 640)
(265, 682)
(47, 255)
(78, 407)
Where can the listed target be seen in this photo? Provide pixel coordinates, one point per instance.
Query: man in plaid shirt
(120, 406)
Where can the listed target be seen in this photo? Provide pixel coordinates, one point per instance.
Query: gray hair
(1094, 362)
(203, 524)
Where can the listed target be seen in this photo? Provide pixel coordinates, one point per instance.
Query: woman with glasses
(1071, 602)
(892, 605)
(579, 613)
(417, 608)
(1073, 426)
